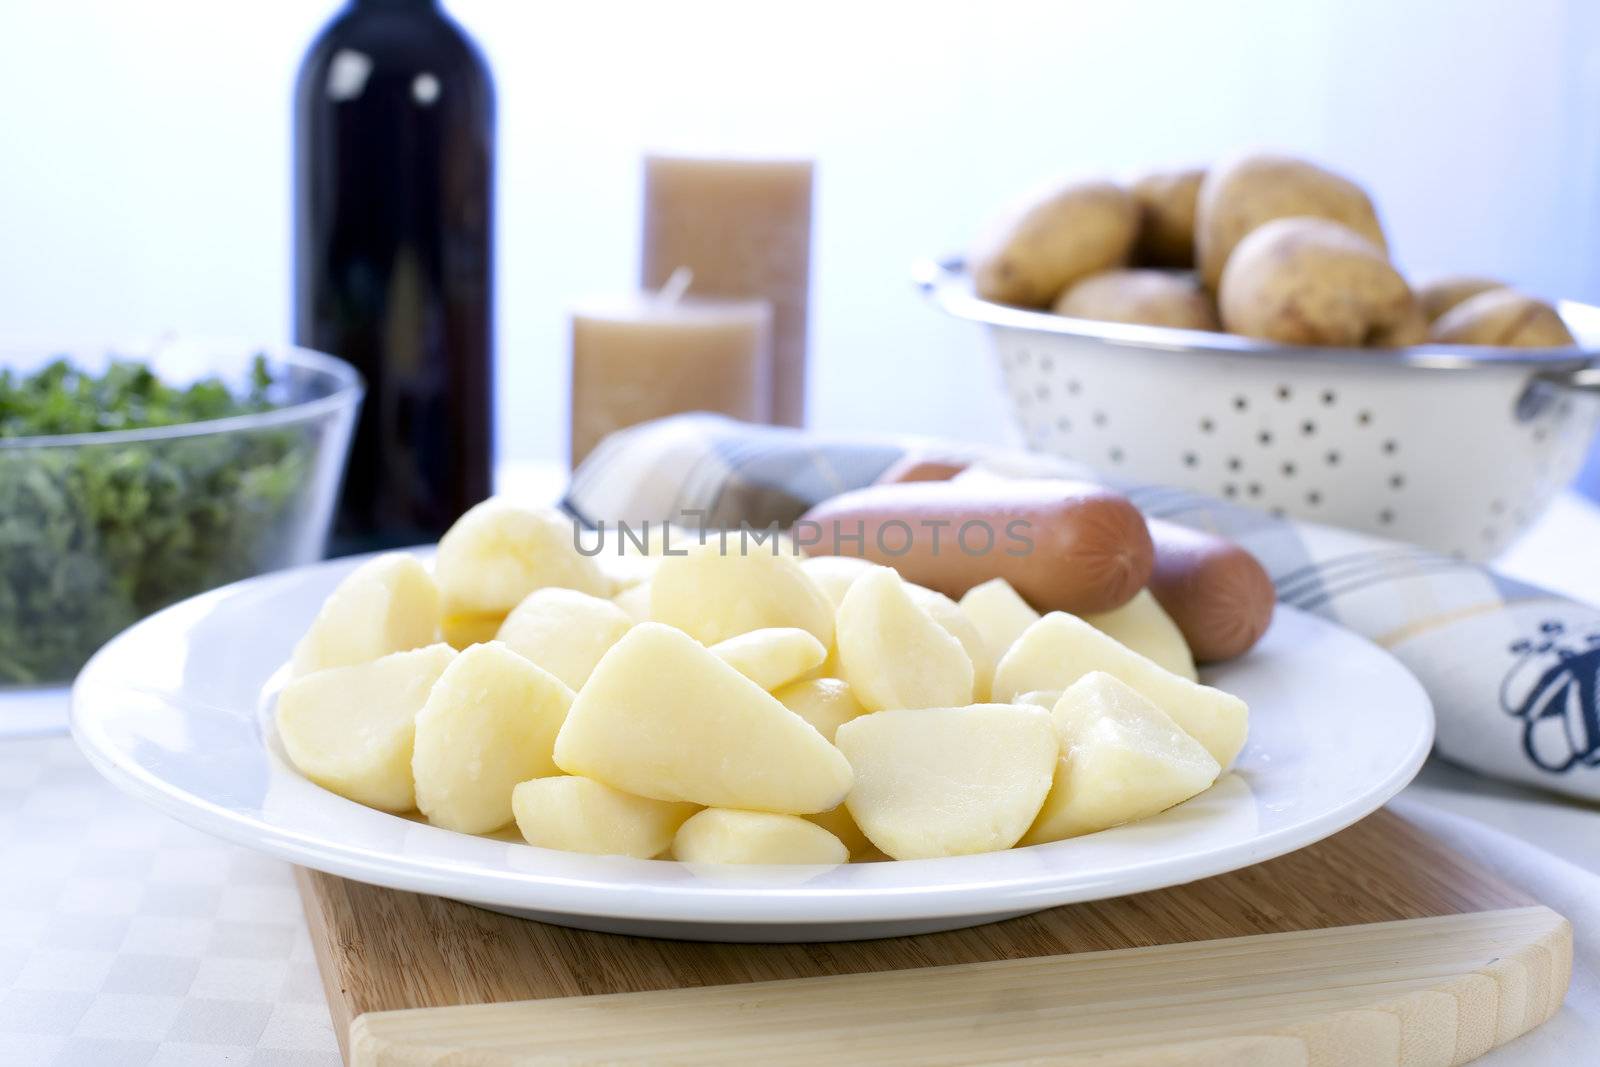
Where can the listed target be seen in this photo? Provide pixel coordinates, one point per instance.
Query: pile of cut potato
(747, 706)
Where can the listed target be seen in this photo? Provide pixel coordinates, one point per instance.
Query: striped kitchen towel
(1513, 671)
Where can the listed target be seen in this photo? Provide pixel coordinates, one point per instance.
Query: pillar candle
(744, 228)
(644, 356)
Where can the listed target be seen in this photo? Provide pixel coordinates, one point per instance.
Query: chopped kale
(94, 536)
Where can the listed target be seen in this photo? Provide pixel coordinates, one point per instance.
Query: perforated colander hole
(1397, 481)
(1288, 470)
(1308, 428)
(1332, 458)
(1074, 387)
(1116, 455)
(1241, 403)
(1276, 512)
(1313, 498)
(1024, 357)
(1390, 447)
(1064, 424)
(1191, 460)
(1234, 463)
(1253, 489)
(1284, 392)
(1207, 425)
(1386, 516)
(1497, 507)
(1364, 418)
(1329, 398)
(1047, 364)
(1265, 437)
(1098, 418)
(1230, 490)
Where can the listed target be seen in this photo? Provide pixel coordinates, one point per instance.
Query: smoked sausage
(1219, 594)
(1063, 545)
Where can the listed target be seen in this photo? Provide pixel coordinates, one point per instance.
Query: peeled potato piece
(489, 723)
(825, 703)
(838, 822)
(719, 835)
(948, 613)
(462, 631)
(893, 653)
(663, 717)
(629, 554)
(949, 781)
(1039, 698)
(999, 614)
(1143, 626)
(388, 604)
(772, 657)
(635, 600)
(833, 574)
(581, 815)
(350, 729)
(712, 596)
(564, 631)
(498, 553)
(1059, 649)
(1122, 758)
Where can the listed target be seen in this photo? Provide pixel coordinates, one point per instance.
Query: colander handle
(1585, 379)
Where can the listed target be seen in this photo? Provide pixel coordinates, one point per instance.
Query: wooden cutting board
(1376, 946)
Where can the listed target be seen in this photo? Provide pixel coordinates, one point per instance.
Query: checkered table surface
(129, 939)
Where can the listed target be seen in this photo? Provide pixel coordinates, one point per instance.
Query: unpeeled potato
(1141, 297)
(1053, 239)
(1502, 317)
(1167, 201)
(1309, 281)
(1438, 295)
(1244, 193)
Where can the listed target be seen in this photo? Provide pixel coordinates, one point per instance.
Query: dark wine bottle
(393, 190)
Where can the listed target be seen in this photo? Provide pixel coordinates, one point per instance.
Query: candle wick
(676, 286)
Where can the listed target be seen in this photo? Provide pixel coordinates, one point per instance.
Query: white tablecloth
(128, 939)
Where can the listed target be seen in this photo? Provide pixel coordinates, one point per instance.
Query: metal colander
(1454, 448)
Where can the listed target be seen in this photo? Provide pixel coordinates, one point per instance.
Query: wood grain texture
(384, 950)
(1415, 992)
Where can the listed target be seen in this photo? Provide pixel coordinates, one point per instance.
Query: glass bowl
(98, 530)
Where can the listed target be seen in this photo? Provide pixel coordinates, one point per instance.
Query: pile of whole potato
(1261, 245)
(739, 705)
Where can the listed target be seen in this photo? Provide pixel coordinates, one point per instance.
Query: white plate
(172, 712)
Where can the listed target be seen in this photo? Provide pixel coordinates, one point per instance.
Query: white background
(144, 184)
